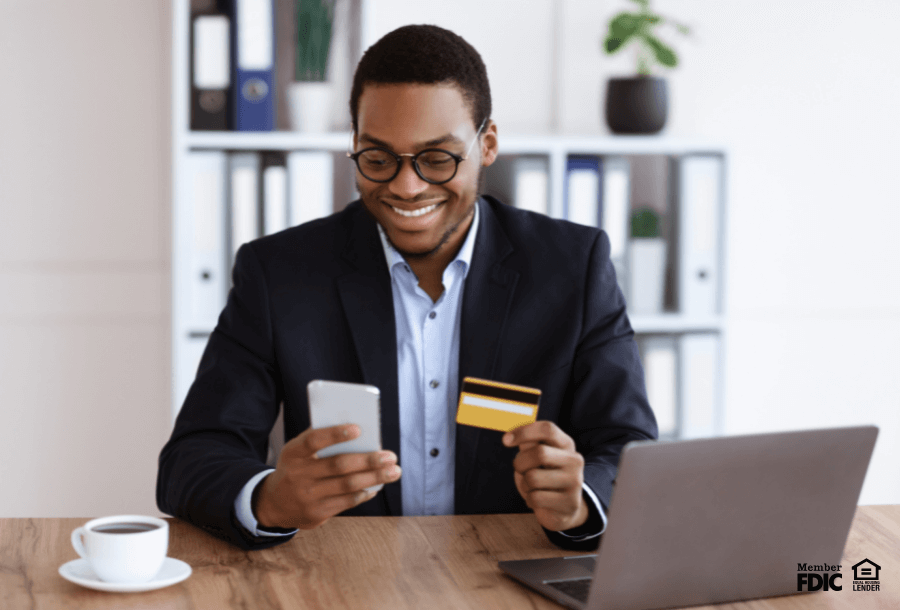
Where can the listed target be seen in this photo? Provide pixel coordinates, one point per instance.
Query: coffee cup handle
(77, 543)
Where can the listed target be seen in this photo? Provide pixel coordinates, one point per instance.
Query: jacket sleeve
(609, 406)
(220, 439)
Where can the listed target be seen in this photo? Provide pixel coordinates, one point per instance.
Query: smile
(414, 213)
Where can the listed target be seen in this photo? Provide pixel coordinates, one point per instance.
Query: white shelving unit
(187, 340)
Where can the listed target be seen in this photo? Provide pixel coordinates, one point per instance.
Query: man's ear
(489, 144)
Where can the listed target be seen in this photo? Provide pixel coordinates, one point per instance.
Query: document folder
(310, 186)
(616, 207)
(210, 72)
(244, 198)
(275, 203)
(204, 238)
(582, 186)
(699, 193)
(253, 32)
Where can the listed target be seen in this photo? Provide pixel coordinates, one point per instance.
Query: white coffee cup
(121, 554)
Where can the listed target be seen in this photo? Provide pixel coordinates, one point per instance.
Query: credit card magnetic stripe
(495, 405)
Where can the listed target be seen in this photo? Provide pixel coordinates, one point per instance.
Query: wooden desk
(375, 562)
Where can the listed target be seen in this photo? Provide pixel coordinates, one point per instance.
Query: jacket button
(434, 452)
(434, 383)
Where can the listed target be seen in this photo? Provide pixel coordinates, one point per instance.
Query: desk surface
(376, 562)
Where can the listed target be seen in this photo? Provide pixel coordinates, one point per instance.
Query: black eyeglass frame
(415, 160)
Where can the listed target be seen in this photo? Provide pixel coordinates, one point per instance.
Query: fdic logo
(816, 577)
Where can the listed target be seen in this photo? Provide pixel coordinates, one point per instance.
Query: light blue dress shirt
(428, 378)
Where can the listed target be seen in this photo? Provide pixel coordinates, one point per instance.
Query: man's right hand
(305, 491)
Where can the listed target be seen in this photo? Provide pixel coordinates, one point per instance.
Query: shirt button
(434, 452)
(432, 315)
(434, 383)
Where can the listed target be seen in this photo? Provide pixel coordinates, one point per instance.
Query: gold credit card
(495, 405)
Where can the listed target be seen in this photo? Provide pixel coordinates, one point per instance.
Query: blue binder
(253, 61)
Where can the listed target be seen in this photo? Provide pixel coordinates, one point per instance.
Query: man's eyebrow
(435, 142)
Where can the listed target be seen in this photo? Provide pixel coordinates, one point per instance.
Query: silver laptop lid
(723, 519)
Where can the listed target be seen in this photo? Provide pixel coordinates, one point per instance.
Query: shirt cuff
(243, 509)
(594, 520)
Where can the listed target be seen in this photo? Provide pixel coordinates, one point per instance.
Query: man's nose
(407, 184)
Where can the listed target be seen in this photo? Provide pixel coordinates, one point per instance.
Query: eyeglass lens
(433, 165)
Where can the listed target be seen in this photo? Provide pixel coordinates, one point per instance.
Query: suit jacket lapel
(365, 293)
(487, 296)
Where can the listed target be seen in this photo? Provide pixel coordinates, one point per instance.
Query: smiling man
(419, 284)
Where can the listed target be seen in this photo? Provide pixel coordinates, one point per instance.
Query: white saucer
(79, 571)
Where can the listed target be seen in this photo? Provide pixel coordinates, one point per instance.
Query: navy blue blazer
(541, 308)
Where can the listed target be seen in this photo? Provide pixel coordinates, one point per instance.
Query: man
(420, 284)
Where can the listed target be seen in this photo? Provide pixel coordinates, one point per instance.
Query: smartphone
(332, 403)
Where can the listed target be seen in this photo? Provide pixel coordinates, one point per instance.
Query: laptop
(714, 520)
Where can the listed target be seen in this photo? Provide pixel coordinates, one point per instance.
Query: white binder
(699, 205)
(275, 198)
(583, 190)
(659, 355)
(204, 239)
(699, 355)
(212, 66)
(244, 199)
(616, 204)
(530, 184)
(310, 186)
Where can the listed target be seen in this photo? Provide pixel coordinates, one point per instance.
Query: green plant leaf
(664, 54)
(624, 25)
(621, 29)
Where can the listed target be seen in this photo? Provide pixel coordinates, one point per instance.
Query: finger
(540, 431)
(553, 501)
(339, 486)
(348, 463)
(545, 456)
(550, 480)
(338, 504)
(312, 440)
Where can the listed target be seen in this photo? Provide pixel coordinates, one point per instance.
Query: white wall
(804, 92)
(84, 255)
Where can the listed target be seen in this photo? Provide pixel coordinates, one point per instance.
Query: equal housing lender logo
(824, 577)
(865, 576)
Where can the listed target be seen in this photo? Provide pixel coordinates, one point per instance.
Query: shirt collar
(464, 256)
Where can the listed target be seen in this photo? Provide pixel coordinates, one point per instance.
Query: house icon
(866, 570)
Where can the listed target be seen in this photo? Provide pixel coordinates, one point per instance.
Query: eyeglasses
(433, 165)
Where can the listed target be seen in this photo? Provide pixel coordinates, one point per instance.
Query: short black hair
(424, 54)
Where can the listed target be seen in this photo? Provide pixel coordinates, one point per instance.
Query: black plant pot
(636, 105)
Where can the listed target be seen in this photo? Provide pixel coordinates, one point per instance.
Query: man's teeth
(415, 213)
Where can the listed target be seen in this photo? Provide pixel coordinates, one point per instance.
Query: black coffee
(125, 528)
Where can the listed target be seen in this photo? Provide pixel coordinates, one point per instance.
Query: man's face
(407, 118)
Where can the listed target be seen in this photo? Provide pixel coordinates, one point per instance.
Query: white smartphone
(333, 403)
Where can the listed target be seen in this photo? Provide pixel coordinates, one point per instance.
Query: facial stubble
(447, 234)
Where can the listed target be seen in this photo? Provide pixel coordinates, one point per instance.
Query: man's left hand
(549, 474)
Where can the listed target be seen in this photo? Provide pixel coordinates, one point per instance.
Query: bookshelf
(683, 337)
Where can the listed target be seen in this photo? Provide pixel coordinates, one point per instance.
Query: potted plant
(639, 104)
(646, 263)
(309, 96)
